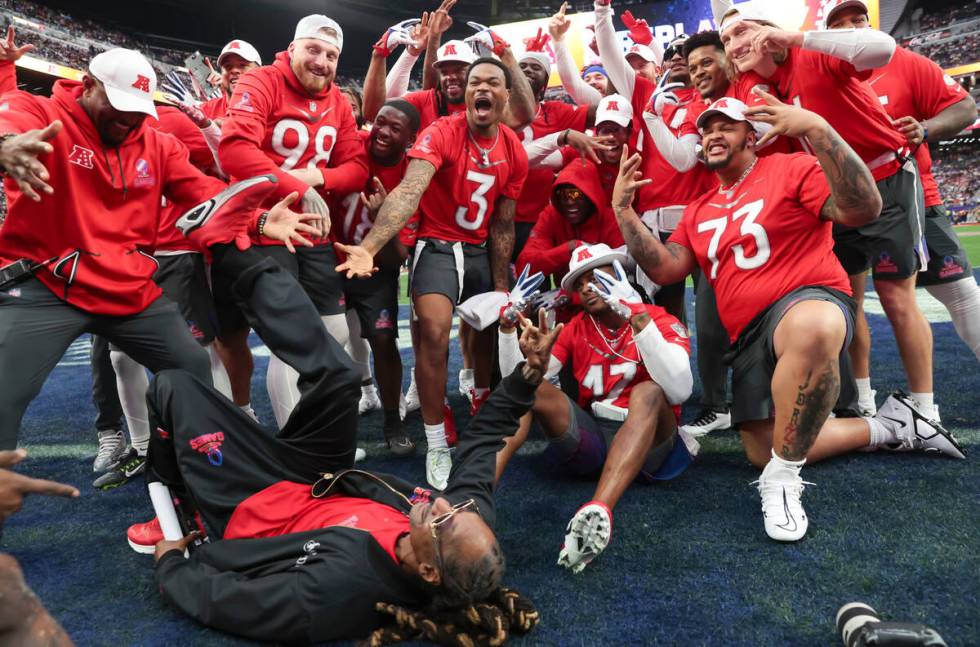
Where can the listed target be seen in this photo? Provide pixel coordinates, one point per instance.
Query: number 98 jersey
(462, 195)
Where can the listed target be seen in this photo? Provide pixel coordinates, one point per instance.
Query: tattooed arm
(502, 243)
(665, 264)
(854, 199)
(398, 207)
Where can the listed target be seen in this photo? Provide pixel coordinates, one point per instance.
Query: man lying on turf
(632, 372)
(302, 548)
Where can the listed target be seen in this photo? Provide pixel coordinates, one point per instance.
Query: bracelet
(925, 132)
(261, 223)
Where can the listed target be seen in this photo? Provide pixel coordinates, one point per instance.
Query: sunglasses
(570, 193)
(441, 521)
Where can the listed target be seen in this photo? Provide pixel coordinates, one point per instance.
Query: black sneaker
(398, 441)
(125, 470)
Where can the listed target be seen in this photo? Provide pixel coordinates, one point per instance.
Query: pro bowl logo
(210, 445)
(143, 176)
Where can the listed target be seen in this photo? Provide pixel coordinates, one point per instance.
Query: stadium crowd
(777, 169)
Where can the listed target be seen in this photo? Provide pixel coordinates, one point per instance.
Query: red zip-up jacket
(274, 125)
(547, 248)
(103, 219)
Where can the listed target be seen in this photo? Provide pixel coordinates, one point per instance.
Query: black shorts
(184, 280)
(753, 358)
(948, 261)
(890, 245)
(231, 319)
(316, 270)
(582, 450)
(375, 300)
(435, 270)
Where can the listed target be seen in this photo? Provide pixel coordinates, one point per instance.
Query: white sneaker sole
(142, 550)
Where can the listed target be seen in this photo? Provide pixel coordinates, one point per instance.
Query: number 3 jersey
(763, 239)
(460, 199)
(607, 370)
(274, 125)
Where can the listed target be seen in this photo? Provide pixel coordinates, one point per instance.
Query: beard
(723, 163)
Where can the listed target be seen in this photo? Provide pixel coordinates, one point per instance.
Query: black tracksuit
(307, 586)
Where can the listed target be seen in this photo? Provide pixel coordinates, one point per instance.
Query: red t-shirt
(764, 240)
(913, 86)
(835, 90)
(607, 370)
(274, 126)
(286, 507)
(216, 108)
(427, 103)
(462, 196)
(552, 117)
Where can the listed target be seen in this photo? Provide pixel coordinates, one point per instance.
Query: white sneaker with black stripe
(707, 421)
(913, 431)
(781, 489)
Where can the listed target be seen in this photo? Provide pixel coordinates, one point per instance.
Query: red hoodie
(547, 249)
(103, 219)
(274, 125)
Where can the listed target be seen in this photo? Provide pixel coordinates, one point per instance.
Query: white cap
(615, 108)
(734, 110)
(243, 49)
(643, 52)
(839, 5)
(313, 25)
(751, 10)
(586, 257)
(541, 58)
(129, 80)
(455, 51)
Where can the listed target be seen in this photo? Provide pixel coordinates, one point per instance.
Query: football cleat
(144, 537)
(112, 447)
(128, 467)
(587, 535)
(781, 489)
(370, 401)
(707, 421)
(412, 402)
(914, 431)
(226, 217)
(438, 465)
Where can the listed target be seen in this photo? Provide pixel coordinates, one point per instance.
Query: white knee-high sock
(962, 299)
(218, 373)
(336, 325)
(357, 346)
(132, 382)
(281, 380)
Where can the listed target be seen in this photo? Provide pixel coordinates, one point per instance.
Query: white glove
(312, 202)
(665, 96)
(550, 300)
(525, 288)
(398, 34)
(618, 292)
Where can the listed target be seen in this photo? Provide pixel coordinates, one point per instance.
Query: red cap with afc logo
(129, 80)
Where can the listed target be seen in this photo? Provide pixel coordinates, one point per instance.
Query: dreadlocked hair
(485, 624)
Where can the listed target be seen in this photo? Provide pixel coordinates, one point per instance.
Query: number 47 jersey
(764, 238)
(471, 173)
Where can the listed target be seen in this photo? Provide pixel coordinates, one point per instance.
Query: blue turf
(689, 563)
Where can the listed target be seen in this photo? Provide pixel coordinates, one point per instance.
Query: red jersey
(764, 239)
(216, 108)
(173, 121)
(547, 249)
(670, 187)
(432, 105)
(913, 86)
(274, 126)
(8, 77)
(552, 117)
(608, 370)
(351, 219)
(286, 507)
(462, 195)
(103, 219)
(835, 90)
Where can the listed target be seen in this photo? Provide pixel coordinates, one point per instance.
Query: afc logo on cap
(612, 105)
(450, 49)
(234, 45)
(584, 255)
(142, 83)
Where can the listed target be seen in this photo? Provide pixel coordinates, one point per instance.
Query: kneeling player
(631, 368)
(763, 240)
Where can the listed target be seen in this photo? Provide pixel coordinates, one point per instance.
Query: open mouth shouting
(483, 106)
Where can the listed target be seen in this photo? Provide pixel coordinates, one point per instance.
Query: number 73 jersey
(764, 238)
(460, 199)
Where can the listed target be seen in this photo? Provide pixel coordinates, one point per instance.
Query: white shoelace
(108, 444)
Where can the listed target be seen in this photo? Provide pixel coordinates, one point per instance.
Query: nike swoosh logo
(900, 423)
(790, 525)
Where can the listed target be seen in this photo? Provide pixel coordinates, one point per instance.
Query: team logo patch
(950, 267)
(885, 264)
(210, 446)
(384, 321)
(426, 144)
(196, 332)
(245, 103)
(143, 176)
(81, 156)
(680, 329)
(142, 83)
(450, 49)
(613, 105)
(584, 255)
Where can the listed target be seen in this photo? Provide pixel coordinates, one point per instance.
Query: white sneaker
(438, 464)
(112, 447)
(913, 431)
(708, 421)
(370, 401)
(466, 383)
(359, 455)
(586, 536)
(412, 402)
(781, 489)
(868, 408)
(402, 406)
(250, 412)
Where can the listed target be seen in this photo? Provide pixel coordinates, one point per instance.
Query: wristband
(260, 226)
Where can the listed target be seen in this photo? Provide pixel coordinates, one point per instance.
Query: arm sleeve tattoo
(502, 242)
(400, 204)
